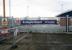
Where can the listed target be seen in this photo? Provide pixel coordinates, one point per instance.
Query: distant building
(63, 21)
(69, 13)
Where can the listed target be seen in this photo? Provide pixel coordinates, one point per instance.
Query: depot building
(65, 18)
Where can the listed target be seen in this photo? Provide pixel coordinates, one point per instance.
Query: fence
(45, 36)
(57, 36)
(64, 24)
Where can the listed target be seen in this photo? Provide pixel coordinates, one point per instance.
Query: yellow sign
(4, 21)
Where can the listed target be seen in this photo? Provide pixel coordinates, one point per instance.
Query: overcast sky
(35, 8)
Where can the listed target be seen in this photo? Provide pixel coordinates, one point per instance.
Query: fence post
(67, 23)
(14, 39)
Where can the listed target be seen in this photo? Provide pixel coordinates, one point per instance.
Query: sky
(35, 8)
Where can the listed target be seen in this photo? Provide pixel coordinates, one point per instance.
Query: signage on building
(25, 22)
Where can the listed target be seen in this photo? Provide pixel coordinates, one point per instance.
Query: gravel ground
(24, 44)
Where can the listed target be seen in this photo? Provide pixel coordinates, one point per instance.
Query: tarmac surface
(23, 44)
(39, 41)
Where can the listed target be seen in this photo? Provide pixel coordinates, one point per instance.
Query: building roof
(69, 13)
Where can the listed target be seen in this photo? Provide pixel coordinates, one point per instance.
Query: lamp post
(12, 24)
(27, 10)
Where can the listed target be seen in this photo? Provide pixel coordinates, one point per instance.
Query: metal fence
(53, 37)
(64, 24)
(44, 36)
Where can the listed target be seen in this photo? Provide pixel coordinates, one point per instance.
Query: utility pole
(4, 8)
(4, 20)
